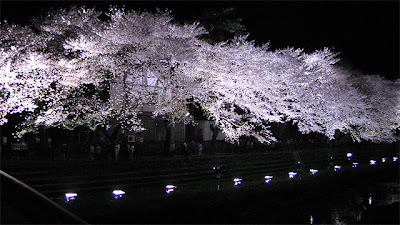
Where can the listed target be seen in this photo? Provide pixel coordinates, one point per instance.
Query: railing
(34, 206)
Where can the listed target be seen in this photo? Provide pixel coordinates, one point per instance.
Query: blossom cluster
(77, 69)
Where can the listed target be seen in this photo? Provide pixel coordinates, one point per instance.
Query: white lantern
(268, 179)
(292, 175)
(118, 193)
(170, 188)
(237, 181)
(70, 196)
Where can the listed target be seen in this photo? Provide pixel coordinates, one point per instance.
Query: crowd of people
(122, 149)
(186, 149)
(117, 151)
(126, 151)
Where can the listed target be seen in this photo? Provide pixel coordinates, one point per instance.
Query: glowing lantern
(118, 194)
(395, 159)
(349, 155)
(216, 168)
(292, 175)
(383, 159)
(268, 179)
(313, 172)
(70, 196)
(355, 165)
(372, 162)
(237, 181)
(170, 188)
(337, 168)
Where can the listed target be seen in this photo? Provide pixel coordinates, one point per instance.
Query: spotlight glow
(237, 181)
(383, 159)
(170, 188)
(337, 168)
(70, 196)
(355, 165)
(292, 175)
(268, 179)
(372, 162)
(349, 155)
(118, 193)
(313, 172)
(395, 159)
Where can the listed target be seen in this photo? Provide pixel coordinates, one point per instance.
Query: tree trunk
(168, 135)
(215, 131)
(110, 137)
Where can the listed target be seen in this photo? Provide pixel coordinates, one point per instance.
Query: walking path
(55, 177)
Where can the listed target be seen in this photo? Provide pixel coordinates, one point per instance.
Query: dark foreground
(368, 194)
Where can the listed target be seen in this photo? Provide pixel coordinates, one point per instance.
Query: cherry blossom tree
(26, 73)
(122, 53)
(250, 87)
(81, 67)
(381, 116)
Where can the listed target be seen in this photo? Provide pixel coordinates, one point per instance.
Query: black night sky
(366, 33)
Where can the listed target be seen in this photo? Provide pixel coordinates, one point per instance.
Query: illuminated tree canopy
(83, 67)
